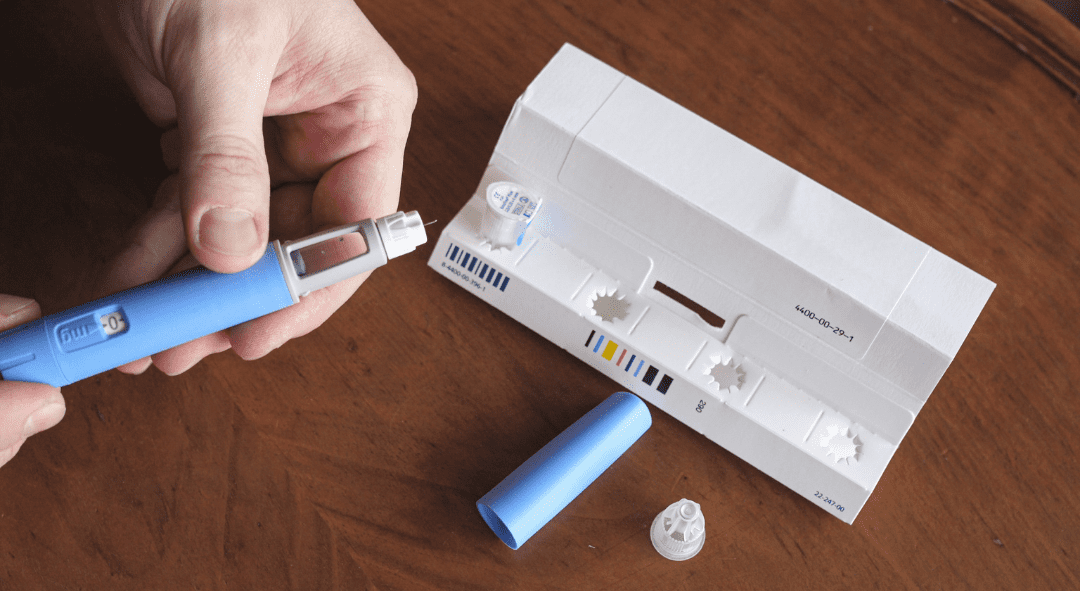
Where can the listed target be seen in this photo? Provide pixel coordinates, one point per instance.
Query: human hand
(25, 409)
(291, 117)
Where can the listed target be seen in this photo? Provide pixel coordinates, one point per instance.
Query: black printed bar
(650, 375)
(665, 383)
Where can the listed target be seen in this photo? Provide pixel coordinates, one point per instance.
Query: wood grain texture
(1037, 30)
(352, 458)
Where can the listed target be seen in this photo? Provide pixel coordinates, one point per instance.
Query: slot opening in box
(702, 312)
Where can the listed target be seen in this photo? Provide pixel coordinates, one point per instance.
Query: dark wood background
(352, 458)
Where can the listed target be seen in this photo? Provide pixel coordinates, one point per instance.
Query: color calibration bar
(607, 349)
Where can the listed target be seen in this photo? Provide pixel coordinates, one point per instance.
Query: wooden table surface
(352, 458)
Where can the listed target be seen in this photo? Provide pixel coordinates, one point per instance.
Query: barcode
(607, 349)
(474, 264)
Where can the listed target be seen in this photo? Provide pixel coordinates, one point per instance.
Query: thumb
(25, 409)
(220, 83)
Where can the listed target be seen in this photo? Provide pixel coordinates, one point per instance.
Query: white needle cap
(678, 532)
(401, 233)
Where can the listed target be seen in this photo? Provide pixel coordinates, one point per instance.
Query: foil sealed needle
(678, 532)
(510, 209)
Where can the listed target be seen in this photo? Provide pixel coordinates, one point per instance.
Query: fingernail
(11, 305)
(43, 418)
(228, 231)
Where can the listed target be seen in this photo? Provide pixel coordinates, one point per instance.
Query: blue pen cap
(546, 483)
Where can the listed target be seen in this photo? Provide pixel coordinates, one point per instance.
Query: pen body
(97, 336)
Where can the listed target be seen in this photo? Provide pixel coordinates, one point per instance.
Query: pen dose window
(90, 329)
(113, 323)
(328, 253)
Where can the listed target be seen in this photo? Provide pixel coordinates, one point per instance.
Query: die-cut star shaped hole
(842, 444)
(609, 306)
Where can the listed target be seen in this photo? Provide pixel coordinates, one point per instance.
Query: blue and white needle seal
(86, 340)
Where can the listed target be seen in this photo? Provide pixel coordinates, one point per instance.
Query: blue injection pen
(86, 340)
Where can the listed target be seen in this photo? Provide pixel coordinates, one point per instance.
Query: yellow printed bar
(609, 350)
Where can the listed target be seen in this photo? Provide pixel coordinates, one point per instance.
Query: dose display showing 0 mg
(90, 329)
(113, 323)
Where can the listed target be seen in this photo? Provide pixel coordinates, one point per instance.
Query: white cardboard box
(836, 325)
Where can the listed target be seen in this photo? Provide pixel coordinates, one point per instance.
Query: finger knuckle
(233, 155)
(409, 89)
(386, 111)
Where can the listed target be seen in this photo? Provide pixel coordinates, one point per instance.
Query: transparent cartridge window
(320, 256)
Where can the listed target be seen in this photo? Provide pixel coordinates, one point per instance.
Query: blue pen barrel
(546, 483)
(97, 336)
